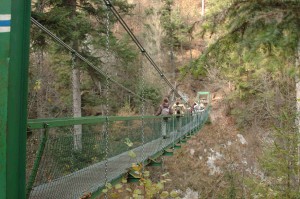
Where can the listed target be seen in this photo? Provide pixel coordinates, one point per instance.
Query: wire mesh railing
(60, 171)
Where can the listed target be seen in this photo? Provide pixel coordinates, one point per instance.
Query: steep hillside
(216, 161)
(224, 160)
(147, 24)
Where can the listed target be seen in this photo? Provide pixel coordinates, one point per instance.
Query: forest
(245, 52)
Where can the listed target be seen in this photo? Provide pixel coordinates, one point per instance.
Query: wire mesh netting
(64, 172)
(66, 163)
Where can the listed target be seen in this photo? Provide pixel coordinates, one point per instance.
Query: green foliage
(195, 68)
(64, 24)
(279, 162)
(145, 188)
(254, 48)
(52, 72)
(126, 110)
(68, 160)
(149, 11)
(125, 51)
(151, 93)
(175, 28)
(232, 192)
(82, 25)
(254, 27)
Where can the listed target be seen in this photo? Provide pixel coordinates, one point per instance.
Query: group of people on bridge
(179, 110)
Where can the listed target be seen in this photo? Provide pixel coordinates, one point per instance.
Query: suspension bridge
(110, 144)
(50, 182)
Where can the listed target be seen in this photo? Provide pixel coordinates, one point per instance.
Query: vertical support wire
(161, 147)
(107, 102)
(143, 114)
(174, 133)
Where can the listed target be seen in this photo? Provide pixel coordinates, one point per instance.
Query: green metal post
(14, 58)
(37, 161)
(4, 65)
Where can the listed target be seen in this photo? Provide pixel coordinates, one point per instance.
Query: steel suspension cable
(56, 38)
(107, 106)
(139, 45)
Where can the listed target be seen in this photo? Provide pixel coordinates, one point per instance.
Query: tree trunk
(77, 108)
(77, 136)
(41, 88)
(202, 8)
(298, 107)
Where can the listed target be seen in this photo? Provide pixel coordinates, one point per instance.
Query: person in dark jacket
(164, 109)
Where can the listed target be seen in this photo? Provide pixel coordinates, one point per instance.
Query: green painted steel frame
(5, 8)
(59, 122)
(14, 61)
(37, 161)
(208, 97)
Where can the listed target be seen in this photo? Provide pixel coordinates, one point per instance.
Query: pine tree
(76, 22)
(255, 45)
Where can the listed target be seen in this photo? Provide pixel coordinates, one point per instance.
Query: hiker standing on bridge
(197, 110)
(179, 110)
(164, 109)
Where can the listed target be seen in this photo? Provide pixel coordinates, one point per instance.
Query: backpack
(165, 110)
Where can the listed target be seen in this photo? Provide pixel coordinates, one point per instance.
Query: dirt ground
(200, 169)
